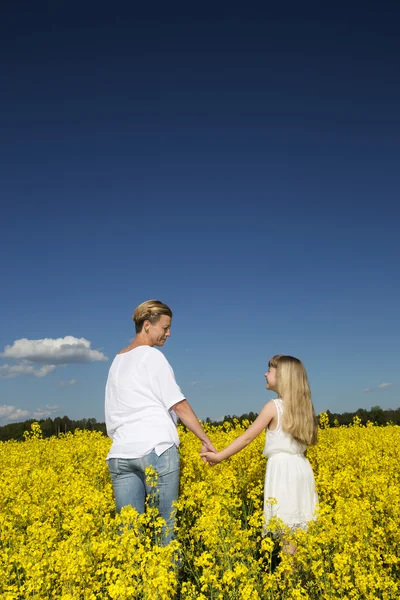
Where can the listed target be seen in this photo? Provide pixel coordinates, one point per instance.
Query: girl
(291, 427)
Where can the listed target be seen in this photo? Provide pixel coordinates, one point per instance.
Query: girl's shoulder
(278, 403)
(275, 412)
(271, 405)
(275, 403)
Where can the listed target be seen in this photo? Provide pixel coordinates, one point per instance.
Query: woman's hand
(212, 458)
(207, 447)
(185, 413)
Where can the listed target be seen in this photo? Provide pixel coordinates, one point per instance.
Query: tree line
(62, 425)
(376, 415)
(49, 427)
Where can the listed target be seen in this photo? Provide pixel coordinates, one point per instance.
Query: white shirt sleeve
(162, 379)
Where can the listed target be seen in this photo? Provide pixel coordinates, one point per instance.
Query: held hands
(212, 458)
(207, 448)
(209, 454)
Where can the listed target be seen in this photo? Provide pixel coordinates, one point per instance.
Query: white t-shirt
(140, 392)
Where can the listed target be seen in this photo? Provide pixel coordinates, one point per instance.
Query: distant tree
(346, 418)
(57, 426)
(47, 427)
(377, 416)
(363, 415)
(66, 424)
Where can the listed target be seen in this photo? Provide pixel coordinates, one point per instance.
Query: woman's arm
(188, 417)
(264, 418)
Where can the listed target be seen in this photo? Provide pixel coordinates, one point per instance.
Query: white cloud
(12, 413)
(44, 413)
(66, 383)
(194, 383)
(381, 386)
(49, 351)
(11, 371)
(6, 410)
(18, 415)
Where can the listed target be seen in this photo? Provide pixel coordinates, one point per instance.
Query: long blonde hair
(292, 386)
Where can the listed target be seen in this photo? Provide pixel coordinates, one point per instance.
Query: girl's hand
(207, 446)
(213, 458)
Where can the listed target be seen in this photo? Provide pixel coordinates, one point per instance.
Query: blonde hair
(151, 310)
(292, 386)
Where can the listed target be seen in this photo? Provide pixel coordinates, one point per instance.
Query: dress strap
(279, 409)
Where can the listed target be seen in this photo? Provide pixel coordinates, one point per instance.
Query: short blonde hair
(151, 310)
(293, 387)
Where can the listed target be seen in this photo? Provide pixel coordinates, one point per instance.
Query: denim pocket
(168, 461)
(113, 466)
(161, 463)
(175, 459)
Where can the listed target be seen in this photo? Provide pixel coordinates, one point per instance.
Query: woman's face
(270, 377)
(158, 332)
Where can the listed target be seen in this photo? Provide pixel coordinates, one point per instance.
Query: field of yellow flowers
(59, 533)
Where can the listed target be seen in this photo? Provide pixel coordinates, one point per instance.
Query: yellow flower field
(59, 533)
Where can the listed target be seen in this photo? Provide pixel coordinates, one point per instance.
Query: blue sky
(238, 162)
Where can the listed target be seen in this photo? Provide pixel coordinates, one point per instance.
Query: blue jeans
(129, 483)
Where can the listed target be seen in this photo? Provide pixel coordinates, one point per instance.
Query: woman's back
(140, 391)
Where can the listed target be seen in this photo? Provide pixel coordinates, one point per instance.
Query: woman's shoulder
(137, 356)
(155, 356)
(152, 351)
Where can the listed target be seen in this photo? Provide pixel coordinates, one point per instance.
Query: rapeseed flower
(60, 537)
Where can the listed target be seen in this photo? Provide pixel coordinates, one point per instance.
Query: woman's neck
(140, 340)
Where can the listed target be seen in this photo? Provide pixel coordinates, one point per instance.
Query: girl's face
(270, 377)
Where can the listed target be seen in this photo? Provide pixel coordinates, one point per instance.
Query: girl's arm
(264, 418)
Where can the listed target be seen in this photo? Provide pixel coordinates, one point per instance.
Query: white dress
(289, 478)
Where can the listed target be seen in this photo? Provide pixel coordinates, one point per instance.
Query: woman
(142, 404)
